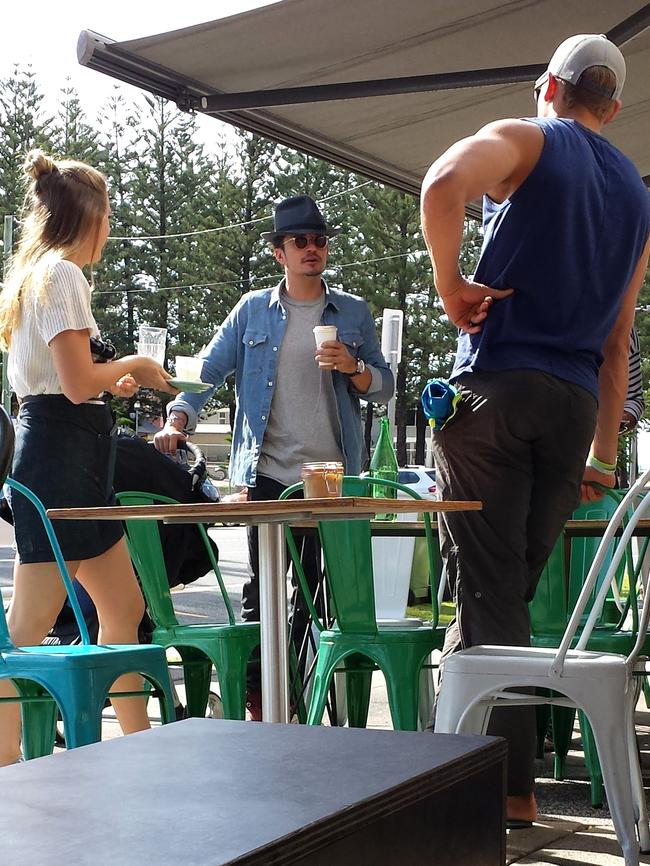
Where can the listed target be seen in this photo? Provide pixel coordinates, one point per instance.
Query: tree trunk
(421, 428)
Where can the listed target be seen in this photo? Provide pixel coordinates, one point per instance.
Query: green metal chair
(615, 631)
(357, 640)
(227, 646)
(75, 678)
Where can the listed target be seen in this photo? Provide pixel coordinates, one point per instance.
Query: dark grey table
(206, 792)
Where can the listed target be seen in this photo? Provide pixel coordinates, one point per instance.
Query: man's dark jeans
(518, 443)
(309, 547)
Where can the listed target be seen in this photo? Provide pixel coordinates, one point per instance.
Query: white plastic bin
(392, 560)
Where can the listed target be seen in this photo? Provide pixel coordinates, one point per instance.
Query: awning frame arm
(219, 102)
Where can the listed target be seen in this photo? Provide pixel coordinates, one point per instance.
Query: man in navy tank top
(544, 328)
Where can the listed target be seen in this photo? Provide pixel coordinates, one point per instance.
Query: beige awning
(501, 45)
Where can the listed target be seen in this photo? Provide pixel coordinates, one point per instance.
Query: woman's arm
(81, 379)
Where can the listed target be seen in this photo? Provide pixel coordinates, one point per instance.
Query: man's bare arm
(494, 162)
(613, 382)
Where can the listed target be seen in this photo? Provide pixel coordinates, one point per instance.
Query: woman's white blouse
(64, 306)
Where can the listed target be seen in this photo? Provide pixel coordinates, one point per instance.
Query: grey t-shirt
(303, 420)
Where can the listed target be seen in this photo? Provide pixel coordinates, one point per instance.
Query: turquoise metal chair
(357, 644)
(227, 646)
(77, 678)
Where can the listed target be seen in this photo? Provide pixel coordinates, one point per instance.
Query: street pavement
(569, 830)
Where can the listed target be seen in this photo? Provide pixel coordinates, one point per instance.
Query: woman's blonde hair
(64, 206)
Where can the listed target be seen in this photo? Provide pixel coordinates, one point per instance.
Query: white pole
(391, 348)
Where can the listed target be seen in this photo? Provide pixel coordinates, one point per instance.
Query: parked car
(419, 478)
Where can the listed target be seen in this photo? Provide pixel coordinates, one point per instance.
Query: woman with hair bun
(65, 445)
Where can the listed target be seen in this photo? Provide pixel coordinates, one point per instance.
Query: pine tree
(392, 269)
(169, 193)
(71, 135)
(253, 202)
(22, 127)
(115, 298)
(239, 203)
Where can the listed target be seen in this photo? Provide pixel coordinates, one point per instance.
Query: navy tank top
(567, 241)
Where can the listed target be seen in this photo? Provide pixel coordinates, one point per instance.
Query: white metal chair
(603, 685)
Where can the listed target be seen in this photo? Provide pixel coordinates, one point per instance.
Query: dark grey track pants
(518, 443)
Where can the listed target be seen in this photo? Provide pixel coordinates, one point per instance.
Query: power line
(274, 278)
(226, 228)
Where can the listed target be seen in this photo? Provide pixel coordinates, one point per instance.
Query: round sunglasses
(303, 241)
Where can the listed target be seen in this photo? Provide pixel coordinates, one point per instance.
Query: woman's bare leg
(38, 596)
(110, 581)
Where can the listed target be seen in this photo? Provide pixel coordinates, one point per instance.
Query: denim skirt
(65, 454)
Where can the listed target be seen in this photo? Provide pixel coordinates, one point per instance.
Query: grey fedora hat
(298, 215)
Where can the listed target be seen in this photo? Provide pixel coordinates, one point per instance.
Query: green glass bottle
(384, 465)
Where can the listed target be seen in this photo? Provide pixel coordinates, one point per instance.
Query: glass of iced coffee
(322, 480)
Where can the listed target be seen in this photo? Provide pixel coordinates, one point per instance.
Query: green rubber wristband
(605, 468)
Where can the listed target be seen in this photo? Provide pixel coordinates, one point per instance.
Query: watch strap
(361, 366)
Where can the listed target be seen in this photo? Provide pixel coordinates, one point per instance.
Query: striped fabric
(634, 402)
(66, 307)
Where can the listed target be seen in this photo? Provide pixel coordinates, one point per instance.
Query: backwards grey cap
(578, 53)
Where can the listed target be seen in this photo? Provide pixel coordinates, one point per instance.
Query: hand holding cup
(148, 373)
(324, 334)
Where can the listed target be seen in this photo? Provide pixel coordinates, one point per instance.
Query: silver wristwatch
(361, 366)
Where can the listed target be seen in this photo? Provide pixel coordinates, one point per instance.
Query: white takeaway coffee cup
(188, 369)
(322, 333)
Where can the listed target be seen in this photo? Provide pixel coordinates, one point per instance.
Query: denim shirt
(248, 343)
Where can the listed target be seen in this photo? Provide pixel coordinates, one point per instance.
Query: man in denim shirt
(295, 403)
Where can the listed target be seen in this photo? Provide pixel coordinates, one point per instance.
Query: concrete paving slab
(595, 846)
(545, 832)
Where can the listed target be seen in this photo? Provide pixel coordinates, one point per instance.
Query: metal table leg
(273, 623)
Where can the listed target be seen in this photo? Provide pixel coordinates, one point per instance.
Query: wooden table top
(287, 509)
(307, 512)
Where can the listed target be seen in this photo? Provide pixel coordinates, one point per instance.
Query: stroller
(139, 466)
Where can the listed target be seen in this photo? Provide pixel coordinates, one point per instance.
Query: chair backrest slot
(561, 582)
(143, 540)
(58, 557)
(621, 514)
(347, 553)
